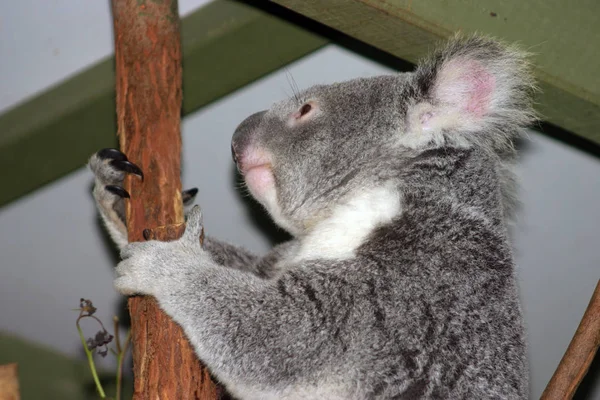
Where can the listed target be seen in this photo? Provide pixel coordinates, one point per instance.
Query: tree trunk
(148, 71)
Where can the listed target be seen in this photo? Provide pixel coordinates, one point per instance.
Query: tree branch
(579, 355)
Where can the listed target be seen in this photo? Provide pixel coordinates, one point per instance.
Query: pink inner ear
(480, 84)
(467, 86)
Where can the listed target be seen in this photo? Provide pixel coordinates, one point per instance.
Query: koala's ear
(470, 84)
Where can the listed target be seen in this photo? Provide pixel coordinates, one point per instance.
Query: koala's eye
(305, 109)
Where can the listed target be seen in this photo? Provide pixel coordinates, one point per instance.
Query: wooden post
(9, 382)
(579, 355)
(148, 73)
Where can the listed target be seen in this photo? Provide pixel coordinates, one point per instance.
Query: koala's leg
(109, 167)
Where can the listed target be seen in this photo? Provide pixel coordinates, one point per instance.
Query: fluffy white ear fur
(471, 85)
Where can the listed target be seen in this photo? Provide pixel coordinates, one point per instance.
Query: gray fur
(399, 282)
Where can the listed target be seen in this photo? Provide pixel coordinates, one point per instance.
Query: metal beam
(562, 37)
(226, 45)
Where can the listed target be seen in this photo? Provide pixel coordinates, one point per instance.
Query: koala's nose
(244, 133)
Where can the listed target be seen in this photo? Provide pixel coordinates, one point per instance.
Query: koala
(399, 281)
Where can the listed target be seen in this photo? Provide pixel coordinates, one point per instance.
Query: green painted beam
(563, 37)
(226, 45)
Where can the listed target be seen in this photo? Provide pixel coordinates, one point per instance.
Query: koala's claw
(127, 166)
(119, 161)
(112, 154)
(118, 190)
(187, 196)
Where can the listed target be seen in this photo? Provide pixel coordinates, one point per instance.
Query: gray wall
(52, 251)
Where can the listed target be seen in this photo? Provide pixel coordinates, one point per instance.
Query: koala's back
(448, 321)
(435, 308)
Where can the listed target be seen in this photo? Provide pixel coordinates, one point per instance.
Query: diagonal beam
(54, 133)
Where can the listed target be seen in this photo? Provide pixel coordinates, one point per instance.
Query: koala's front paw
(155, 267)
(141, 268)
(109, 167)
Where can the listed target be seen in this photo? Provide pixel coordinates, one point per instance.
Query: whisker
(292, 82)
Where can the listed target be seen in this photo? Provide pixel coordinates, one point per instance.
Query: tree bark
(149, 96)
(579, 355)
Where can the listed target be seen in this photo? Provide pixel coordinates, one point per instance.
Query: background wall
(52, 250)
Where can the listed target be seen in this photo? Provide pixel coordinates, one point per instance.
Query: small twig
(120, 360)
(95, 318)
(117, 338)
(89, 355)
(579, 355)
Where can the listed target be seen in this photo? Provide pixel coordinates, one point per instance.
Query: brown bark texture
(149, 97)
(9, 382)
(579, 355)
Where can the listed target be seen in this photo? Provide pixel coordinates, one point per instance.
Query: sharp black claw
(112, 154)
(118, 190)
(188, 195)
(191, 192)
(127, 166)
(147, 234)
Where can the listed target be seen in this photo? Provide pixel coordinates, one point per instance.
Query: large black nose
(244, 133)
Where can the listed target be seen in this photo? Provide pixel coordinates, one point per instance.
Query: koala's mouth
(246, 170)
(257, 173)
(260, 181)
(251, 160)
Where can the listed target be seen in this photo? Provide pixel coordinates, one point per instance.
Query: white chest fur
(350, 223)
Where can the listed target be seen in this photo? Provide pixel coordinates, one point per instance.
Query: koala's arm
(229, 255)
(256, 335)
(109, 167)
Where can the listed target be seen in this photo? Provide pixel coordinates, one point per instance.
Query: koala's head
(310, 153)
